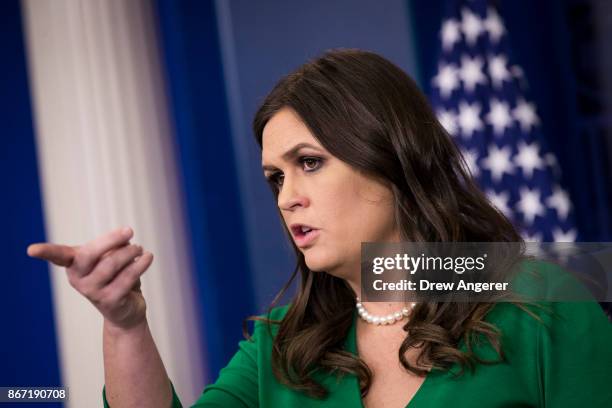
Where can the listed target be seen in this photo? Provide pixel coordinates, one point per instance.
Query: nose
(290, 197)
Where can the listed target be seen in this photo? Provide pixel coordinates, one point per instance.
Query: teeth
(305, 229)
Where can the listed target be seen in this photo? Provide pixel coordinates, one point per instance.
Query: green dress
(563, 361)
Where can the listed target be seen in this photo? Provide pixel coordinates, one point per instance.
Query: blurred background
(138, 113)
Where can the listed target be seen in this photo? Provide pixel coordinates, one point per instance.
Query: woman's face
(342, 206)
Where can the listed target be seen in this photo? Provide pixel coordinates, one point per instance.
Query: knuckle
(129, 251)
(108, 264)
(83, 257)
(113, 301)
(89, 293)
(105, 303)
(131, 273)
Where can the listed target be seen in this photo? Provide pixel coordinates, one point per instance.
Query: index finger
(104, 243)
(61, 255)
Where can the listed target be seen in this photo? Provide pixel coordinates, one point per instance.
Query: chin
(328, 263)
(319, 261)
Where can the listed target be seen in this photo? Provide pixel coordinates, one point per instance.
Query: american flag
(479, 96)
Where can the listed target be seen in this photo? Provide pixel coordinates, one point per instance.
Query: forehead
(283, 131)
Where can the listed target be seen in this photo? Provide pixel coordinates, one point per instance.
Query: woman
(354, 154)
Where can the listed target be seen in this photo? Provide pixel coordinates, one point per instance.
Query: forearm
(134, 373)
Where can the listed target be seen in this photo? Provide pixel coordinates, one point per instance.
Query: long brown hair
(370, 114)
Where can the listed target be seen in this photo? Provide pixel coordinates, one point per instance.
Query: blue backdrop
(190, 45)
(28, 346)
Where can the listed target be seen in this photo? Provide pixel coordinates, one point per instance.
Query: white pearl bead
(383, 320)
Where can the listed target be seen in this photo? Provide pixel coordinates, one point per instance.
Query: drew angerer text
(424, 285)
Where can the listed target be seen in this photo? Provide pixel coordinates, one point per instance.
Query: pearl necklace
(383, 320)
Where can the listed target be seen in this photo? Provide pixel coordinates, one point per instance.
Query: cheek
(349, 218)
(362, 212)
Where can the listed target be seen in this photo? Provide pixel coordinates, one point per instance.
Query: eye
(310, 163)
(276, 179)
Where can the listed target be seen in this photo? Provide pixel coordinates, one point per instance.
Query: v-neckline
(351, 346)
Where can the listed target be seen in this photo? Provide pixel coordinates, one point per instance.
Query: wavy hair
(370, 114)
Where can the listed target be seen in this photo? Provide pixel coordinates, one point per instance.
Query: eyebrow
(289, 154)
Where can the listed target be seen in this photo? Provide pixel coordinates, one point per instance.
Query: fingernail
(126, 230)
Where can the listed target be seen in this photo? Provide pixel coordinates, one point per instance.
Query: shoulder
(544, 325)
(570, 319)
(550, 297)
(266, 325)
(540, 280)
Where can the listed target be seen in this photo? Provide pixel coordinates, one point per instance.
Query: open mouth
(300, 231)
(304, 235)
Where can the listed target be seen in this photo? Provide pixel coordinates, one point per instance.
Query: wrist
(129, 330)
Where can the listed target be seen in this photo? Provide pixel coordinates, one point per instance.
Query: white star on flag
(450, 34)
(528, 158)
(525, 114)
(494, 25)
(469, 118)
(471, 26)
(499, 116)
(560, 236)
(498, 70)
(530, 204)
(471, 72)
(448, 120)
(447, 80)
(559, 201)
(498, 161)
(500, 201)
